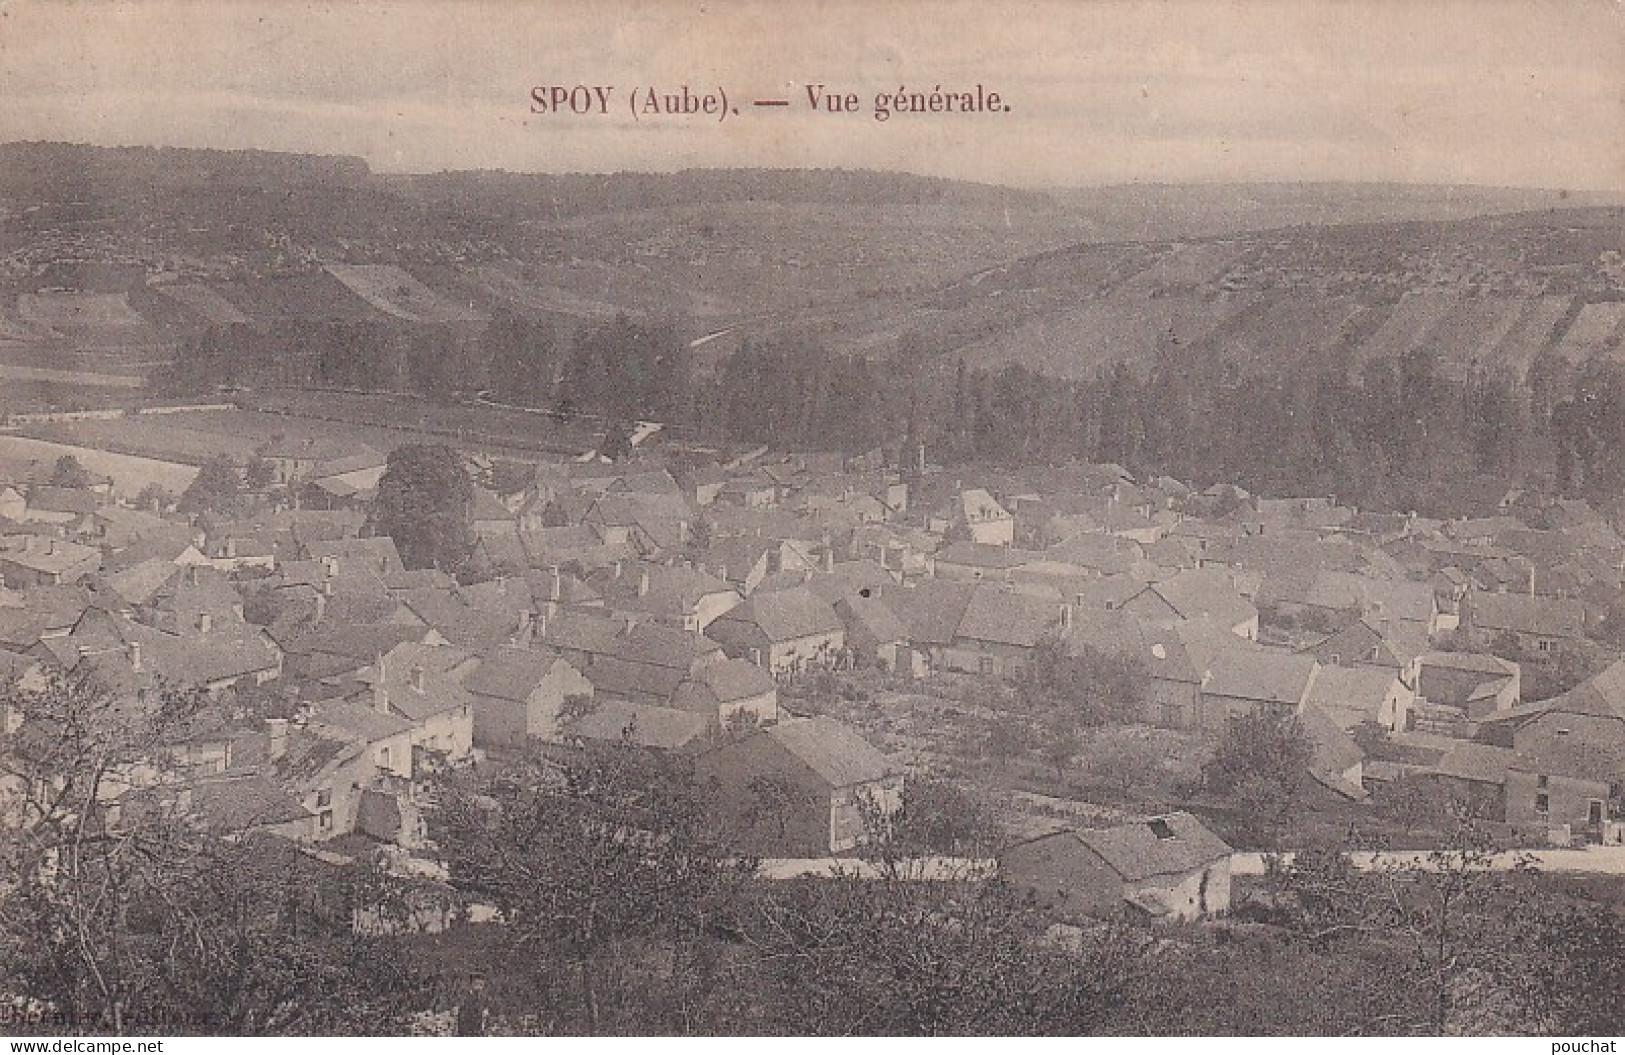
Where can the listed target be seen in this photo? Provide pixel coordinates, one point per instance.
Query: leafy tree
(124, 914)
(425, 502)
(1061, 745)
(1121, 759)
(155, 497)
(894, 957)
(1008, 737)
(215, 489)
(1260, 764)
(610, 854)
(260, 475)
(1445, 920)
(936, 817)
(67, 472)
(1084, 684)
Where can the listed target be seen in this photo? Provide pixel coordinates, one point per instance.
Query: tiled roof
(785, 615)
(1271, 677)
(510, 673)
(1140, 851)
(999, 616)
(615, 721)
(833, 750)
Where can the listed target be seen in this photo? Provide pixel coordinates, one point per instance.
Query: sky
(1489, 92)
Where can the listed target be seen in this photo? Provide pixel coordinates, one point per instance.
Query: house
(1579, 733)
(520, 695)
(999, 630)
(877, 637)
(1336, 761)
(983, 519)
(1502, 784)
(1196, 593)
(685, 597)
(807, 787)
(1476, 686)
(1168, 867)
(1369, 642)
(976, 561)
(1540, 625)
(28, 560)
(931, 612)
(728, 688)
(1172, 686)
(1353, 696)
(331, 766)
(68, 507)
(651, 728)
(423, 684)
(1255, 683)
(784, 631)
(1377, 599)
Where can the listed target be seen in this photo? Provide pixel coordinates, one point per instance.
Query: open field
(129, 474)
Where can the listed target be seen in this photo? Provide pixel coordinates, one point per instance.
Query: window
(1336, 660)
(1160, 828)
(1543, 645)
(1594, 812)
(325, 820)
(1543, 803)
(383, 757)
(1543, 783)
(324, 798)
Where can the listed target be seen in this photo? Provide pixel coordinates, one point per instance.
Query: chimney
(527, 623)
(135, 656)
(277, 729)
(380, 691)
(50, 551)
(541, 624)
(829, 558)
(555, 584)
(321, 605)
(205, 622)
(1066, 617)
(191, 574)
(417, 680)
(617, 572)
(231, 549)
(643, 583)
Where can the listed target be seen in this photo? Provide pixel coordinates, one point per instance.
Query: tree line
(1390, 434)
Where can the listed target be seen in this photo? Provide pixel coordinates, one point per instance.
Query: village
(843, 627)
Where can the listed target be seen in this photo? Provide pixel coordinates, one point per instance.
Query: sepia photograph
(741, 518)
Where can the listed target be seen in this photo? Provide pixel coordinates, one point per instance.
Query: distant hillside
(112, 255)
(1156, 211)
(1490, 292)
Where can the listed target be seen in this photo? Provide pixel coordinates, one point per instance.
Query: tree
(610, 853)
(215, 489)
(1121, 758)
(1260, 764)
(1007, 738)
(425, 503)
(1084, 684)
(852, 956)
(155, 497)
(123, 912)
(260, 475)
(1444, 920)
(69, 473)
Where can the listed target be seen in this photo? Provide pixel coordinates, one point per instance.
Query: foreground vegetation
(623, 909)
